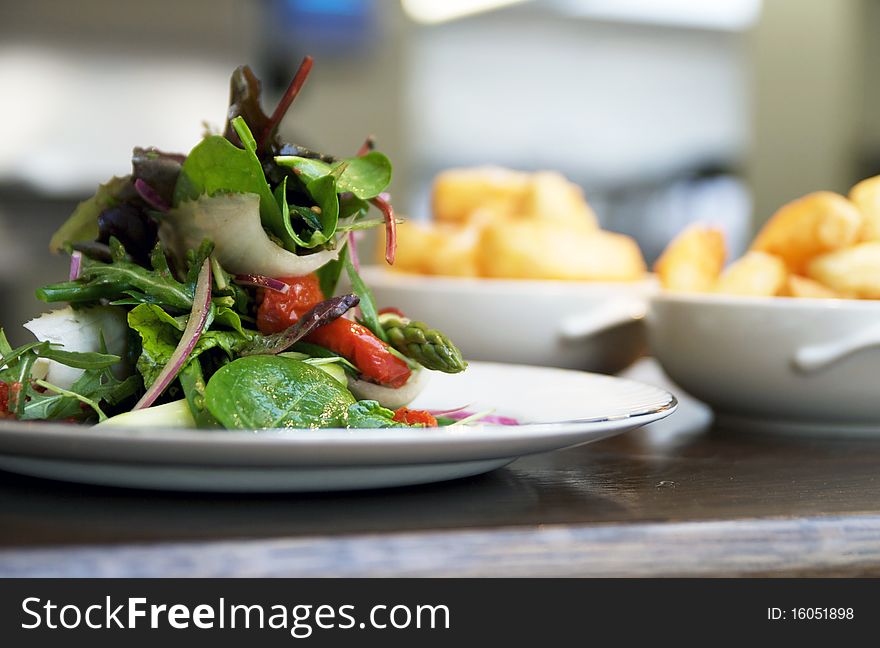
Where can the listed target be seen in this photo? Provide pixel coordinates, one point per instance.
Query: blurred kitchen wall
(815, 111)
(665, 111)
(83, 82)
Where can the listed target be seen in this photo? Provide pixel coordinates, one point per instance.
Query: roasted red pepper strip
(4, 401)
(354, 342)
(415, 417)
(363, 349)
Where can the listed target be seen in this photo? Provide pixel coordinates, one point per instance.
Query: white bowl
(574, 325)
(793, 364)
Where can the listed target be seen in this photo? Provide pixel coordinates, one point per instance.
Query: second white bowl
(803, 363)
(574, 325)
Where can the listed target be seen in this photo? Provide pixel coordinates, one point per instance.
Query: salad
(204, 292)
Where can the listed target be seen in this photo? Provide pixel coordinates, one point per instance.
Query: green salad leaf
(366, 176)
(192, 380)
(82, 225)
(124, 281)
(369, 312)
(159, 337)
(329, 273)
(79, 359)
(370, 414)
(160, 334)
(216, 166)
(323, 218)
(260, 392)
(323, 192)
(40, 400)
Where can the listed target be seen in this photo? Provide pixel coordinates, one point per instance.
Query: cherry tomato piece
(279, 310)
(414, 417)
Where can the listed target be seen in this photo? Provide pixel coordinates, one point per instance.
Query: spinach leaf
(260, 392)
(370, 414)
(366, 176)
(369, 312)
(82, 225)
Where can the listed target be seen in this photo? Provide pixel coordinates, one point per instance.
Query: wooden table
(680, 497)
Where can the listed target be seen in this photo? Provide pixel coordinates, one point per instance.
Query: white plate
(558, 409)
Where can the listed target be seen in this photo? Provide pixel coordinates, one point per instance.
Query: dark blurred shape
(134, 229)
(158, 169)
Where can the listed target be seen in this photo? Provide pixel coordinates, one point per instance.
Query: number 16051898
(811, 614)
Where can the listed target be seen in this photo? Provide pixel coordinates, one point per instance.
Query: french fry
(755, 274)
(804, 287)
(454, 252)
(458, 193)
(853, 271)
(415, 243)
(533, 249)
(693, 260)
(866, 196)
(815, 224)
(552, 197)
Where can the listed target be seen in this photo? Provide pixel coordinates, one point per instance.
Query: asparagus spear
(427, 346)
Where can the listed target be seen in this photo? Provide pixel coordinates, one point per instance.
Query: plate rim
(45, 440)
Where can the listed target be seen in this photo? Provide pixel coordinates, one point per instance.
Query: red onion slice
(390, 228)
(75, 264)
(260, 281)
(151, 196)
(195, 325)
(447, 412)
(458, 415)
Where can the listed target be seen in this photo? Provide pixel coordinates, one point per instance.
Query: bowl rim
(769, 302)
(374, 273)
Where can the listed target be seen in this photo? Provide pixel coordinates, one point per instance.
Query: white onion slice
(80, 330)
(232, 222)
(388, 396)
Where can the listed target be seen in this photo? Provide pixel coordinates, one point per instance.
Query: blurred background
(664, 111)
